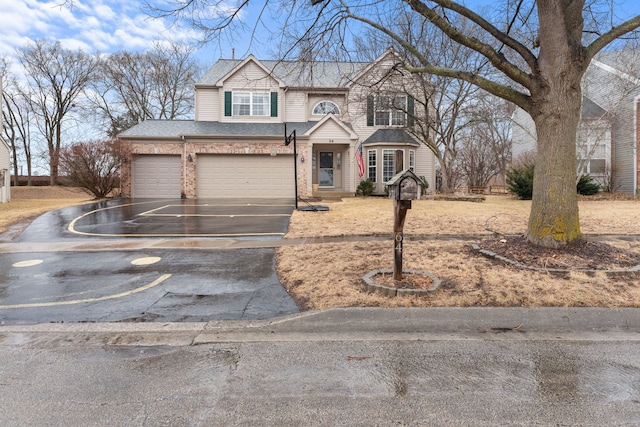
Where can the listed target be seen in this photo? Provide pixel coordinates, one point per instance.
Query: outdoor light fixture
(189, 158)
(302, 159)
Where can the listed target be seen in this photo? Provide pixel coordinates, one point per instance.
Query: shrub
(365, 188)
(94, 165)
(424, 185)
(520, 181)
(587, 187)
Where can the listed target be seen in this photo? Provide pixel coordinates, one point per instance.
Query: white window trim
(393, 153)
(372, 166)
(317, 106)
(252, 103)
(392, 114)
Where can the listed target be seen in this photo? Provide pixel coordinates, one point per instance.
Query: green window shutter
(370, 121)
(410, 111)
(227, 104)
(274, 104)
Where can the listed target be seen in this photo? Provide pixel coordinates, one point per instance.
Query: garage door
(156, 176)
(222, 175)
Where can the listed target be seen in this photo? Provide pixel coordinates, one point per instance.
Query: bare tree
(57, 78)
(16, 120)
(539, 70)
(157, 84)
(486, 149)
(441, 105)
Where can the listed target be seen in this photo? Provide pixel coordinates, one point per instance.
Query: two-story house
(235, 145)
(609, 130)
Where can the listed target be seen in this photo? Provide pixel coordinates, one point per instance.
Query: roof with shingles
(591, 110)
(321, 74)
(179, 128)
(390, 136)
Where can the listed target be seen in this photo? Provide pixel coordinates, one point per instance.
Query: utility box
(404, 186)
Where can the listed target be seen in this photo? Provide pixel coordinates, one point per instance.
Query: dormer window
(325, 107)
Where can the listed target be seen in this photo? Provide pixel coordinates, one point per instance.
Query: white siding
(523, 134)
(208, 104)
(426, 166)
(295, 106)
(617, 96)
(5, 153)
(331, 132)
(5, 174)
(251, 78)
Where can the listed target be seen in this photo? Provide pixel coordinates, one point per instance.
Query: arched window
(325, 107)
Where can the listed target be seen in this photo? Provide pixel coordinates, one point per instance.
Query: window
(412, 160)
(391, 110)
(388, 164)
(251, 104)
(325, 107)
(372, 169)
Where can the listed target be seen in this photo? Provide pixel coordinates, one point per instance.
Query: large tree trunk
(554, 221)
(555, 109)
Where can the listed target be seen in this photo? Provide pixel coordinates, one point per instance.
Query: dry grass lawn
(330, 275)
(29, 202)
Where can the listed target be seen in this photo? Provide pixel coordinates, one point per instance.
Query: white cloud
(90, 25)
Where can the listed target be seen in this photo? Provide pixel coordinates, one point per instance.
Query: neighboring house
(609, 129)
(5, 163)
(5, 175)
(234, 147)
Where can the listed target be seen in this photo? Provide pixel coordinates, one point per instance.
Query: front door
(325, 172)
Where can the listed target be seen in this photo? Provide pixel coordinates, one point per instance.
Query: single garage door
(228, 175)
(156, 176)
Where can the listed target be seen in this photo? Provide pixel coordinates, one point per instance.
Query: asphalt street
(350, 367)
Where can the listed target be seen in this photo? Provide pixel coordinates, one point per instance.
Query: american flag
(360, 161)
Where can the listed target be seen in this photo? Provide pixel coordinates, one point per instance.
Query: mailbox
(404, 186)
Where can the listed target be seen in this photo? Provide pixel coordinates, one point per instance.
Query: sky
(111, 25)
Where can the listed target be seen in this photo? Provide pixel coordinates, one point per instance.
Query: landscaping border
(560, 271)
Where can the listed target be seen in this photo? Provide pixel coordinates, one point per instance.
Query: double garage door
(217, 176)
(228, 176)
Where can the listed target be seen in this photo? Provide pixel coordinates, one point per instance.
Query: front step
(332, 195)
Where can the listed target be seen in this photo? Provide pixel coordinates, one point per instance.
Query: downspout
(635, 146)
(183, 194)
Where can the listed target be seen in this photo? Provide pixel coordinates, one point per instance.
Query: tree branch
(601, 42)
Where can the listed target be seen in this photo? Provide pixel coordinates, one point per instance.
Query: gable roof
(393, 136)
(320, 74)
(331, 117)
(175, 129)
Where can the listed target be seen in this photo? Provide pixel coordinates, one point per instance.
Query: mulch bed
(581, 255)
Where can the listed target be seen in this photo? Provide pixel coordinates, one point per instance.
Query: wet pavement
(237, 218)
(67, 265)
(365, 367)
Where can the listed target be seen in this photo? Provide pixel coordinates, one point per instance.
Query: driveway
(143, 283)
(168, 218)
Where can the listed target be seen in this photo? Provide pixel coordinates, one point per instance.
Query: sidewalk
(354, 324)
